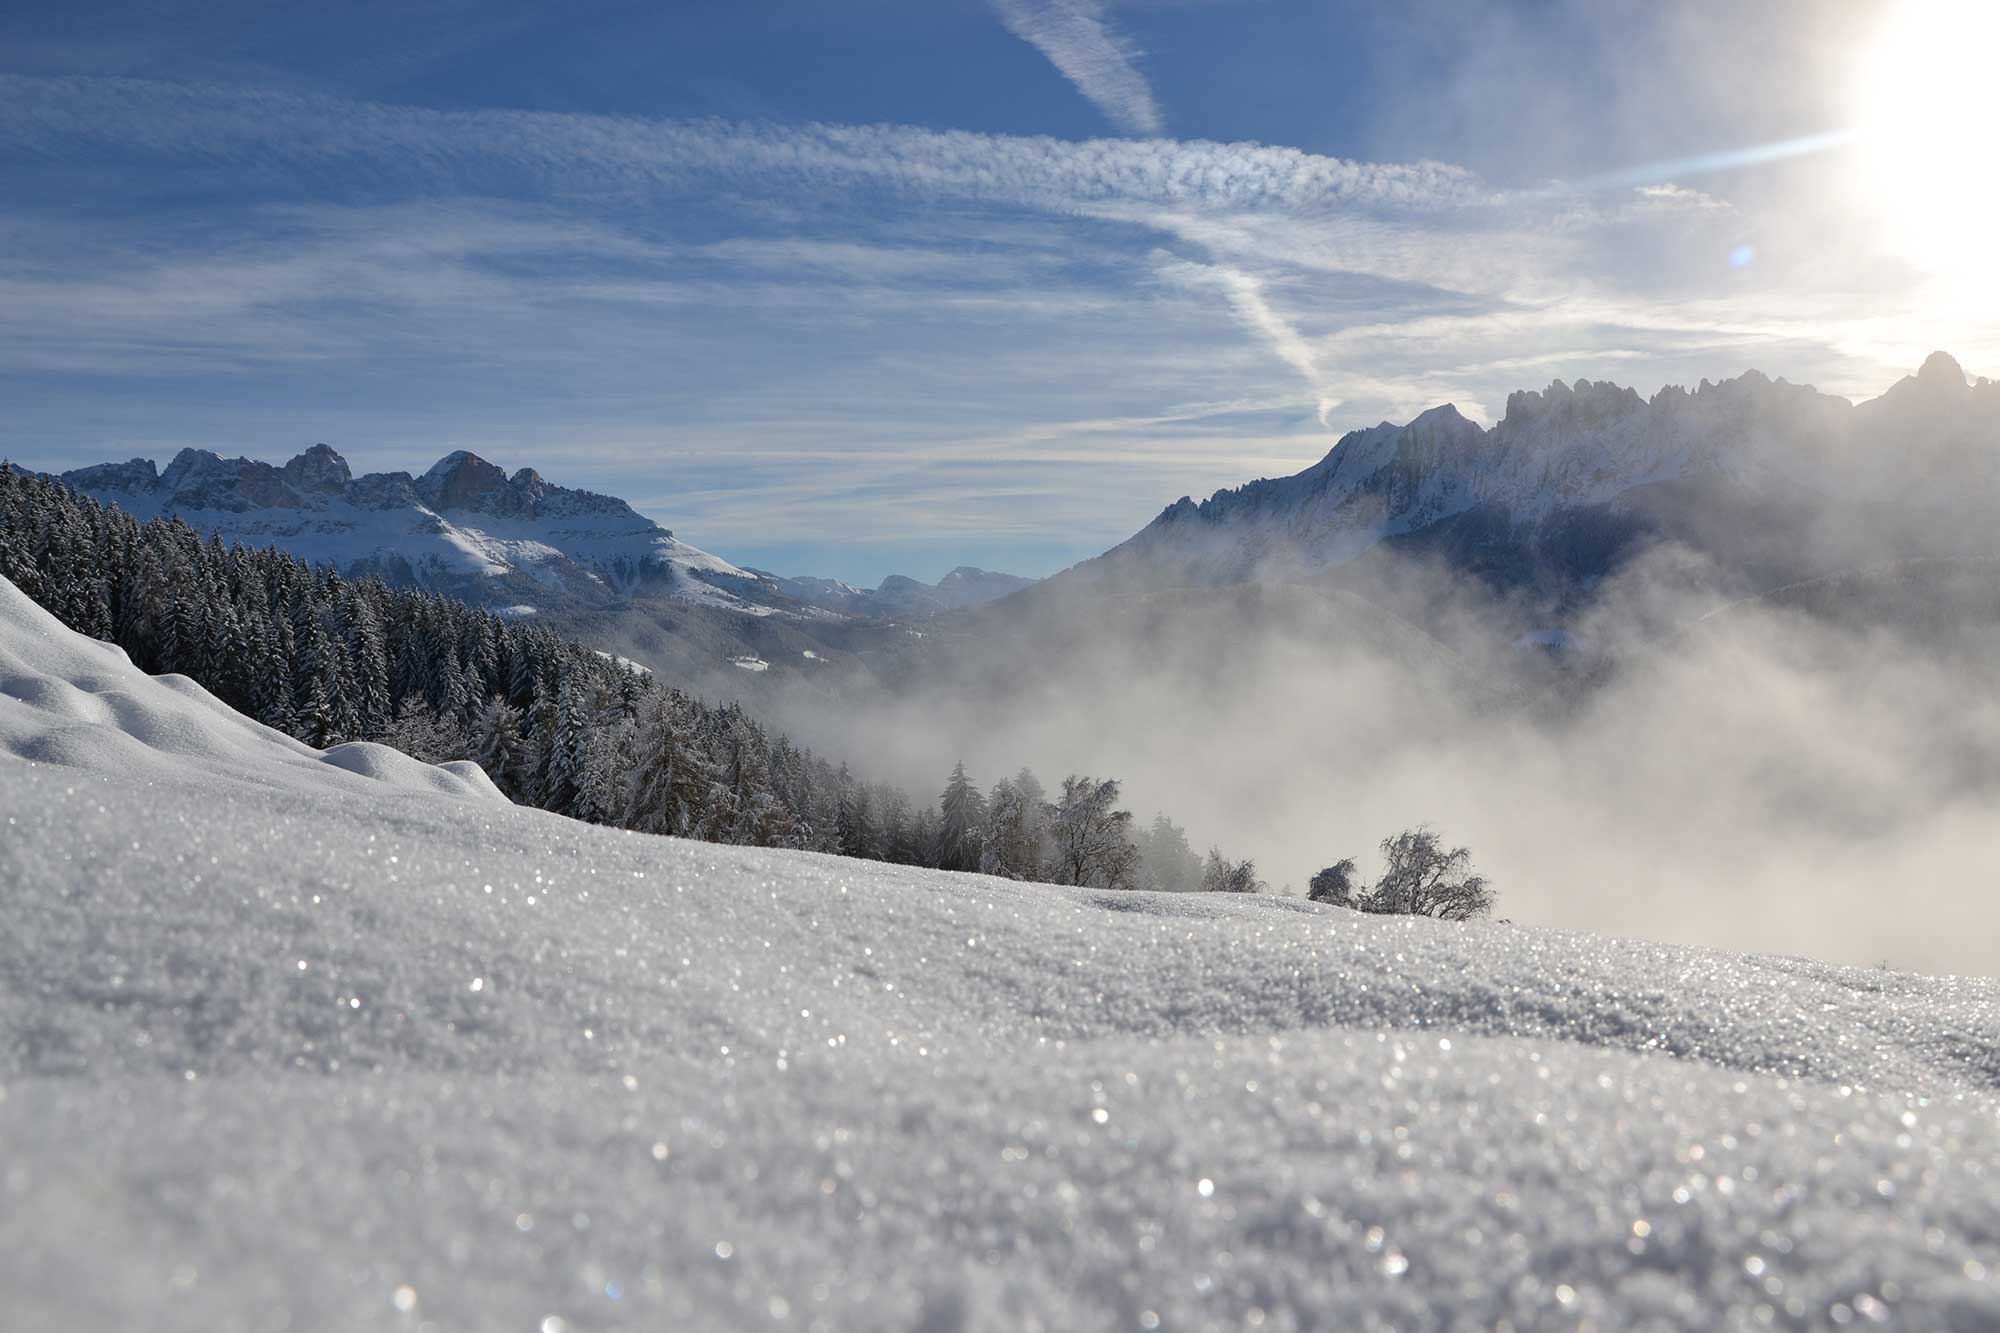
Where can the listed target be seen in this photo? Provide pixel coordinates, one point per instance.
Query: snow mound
(387, 1057)
(458, 778)
(75, 702)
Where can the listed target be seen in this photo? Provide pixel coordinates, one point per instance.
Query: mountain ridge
(464, 523)
(898, 594)
(1932, 440)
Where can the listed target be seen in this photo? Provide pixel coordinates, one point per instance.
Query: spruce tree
(670, 778)
(318, 683)
(368, 651)
(503, 748)
(962, 823)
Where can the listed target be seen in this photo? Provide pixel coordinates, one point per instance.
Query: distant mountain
(900, 595)
(464, 526)
(1778, 481)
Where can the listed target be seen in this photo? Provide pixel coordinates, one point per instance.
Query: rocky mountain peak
(199, 479)
(528, 486)
(137, 476)
(1563, 455)
(1582, 403)
(462, 480)
(1941, 369)
(321, 470)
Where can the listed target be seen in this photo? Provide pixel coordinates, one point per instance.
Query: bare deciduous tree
(1423, 879)
(1222, 875)
(1091, 836)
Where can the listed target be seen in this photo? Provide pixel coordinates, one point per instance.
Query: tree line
(556, 725)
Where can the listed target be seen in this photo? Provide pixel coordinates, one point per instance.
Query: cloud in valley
(1764, 782)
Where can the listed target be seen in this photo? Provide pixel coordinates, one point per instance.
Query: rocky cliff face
(1928, 449)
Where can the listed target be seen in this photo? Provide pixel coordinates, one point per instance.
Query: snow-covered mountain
(900, 595)
(1574, 453)
(335, 1041)
(464, 525)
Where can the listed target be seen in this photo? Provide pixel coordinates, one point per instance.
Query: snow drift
(74, 702)
(284, 1044)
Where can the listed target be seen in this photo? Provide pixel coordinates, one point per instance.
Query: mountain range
(900, 595)
(466, 527)
(1576, 478)
(1772, 483)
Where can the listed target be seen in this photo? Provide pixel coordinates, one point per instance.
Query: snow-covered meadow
(291, 1040)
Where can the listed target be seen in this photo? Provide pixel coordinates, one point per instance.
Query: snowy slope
(285, 1046)
(1931, 440)
(464, 525)
(76, 703)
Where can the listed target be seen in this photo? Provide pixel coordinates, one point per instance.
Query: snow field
(291, 1044)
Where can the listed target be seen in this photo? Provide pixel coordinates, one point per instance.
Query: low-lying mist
(1684, 765)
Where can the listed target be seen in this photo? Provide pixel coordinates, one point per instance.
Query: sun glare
(1929, 92)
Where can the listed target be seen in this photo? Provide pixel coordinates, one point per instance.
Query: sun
(1929, 122)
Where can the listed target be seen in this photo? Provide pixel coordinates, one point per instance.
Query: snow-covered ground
(625, 662)
(341, 1042)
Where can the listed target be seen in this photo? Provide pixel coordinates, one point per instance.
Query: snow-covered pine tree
(961, 822)
(410, 670)
(1166, 863)
(368, 651)
(1016, 821)
(563, 771)
(502, 747)
(857, 819)
(893, 821)
(601, 772)
(318, 682)
(271, 692)
(669, 782)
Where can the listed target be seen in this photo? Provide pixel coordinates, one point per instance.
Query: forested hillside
(556, 725)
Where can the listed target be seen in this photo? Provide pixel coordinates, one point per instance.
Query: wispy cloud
(1079, 41)
(794, 328)
(1245, 294)
(482, 149)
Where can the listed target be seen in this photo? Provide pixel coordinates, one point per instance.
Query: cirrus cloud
(1080, 42)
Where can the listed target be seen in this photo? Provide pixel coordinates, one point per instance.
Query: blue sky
(872, 287)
